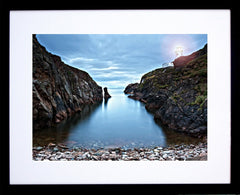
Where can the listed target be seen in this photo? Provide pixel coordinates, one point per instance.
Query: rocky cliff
(59, 90)
(177, 95)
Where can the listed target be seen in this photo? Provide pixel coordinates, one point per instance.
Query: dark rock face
(106, 94)
(59, 90)
(130, 89)
(177, 96)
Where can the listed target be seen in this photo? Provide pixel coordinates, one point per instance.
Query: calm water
(119, 122)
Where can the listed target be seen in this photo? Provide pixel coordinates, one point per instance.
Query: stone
(149, 152)
(165, 156)
(156, 154)
(144, 159)
(112, 156)
(106, 94)
(94, 157)
(79, 158)
(180, 153)
(69, 157)
(51, 145)
(62, 146)
(167, 152)
(39, 148)
(151, 157)
(52, 158)
(55, 149)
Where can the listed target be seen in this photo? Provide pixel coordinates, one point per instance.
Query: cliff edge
(177, 95)
(58, 90)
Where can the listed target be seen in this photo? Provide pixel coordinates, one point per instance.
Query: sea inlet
(118, 122)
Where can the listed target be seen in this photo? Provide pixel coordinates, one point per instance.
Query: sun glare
(178, 51)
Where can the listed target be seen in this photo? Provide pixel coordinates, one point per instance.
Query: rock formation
(130, 89)
(59, 90)
(106, 94)
(177, 95)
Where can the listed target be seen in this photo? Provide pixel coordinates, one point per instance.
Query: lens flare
(178, 51)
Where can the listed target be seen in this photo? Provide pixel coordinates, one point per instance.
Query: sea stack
(106, 94)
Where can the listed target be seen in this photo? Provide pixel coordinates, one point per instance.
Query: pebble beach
(180, 152)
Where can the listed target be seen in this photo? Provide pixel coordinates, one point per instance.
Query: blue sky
(115, 60)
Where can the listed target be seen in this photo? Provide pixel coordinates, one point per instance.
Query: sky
(116, 60)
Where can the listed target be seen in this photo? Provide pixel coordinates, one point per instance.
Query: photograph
(119, 97)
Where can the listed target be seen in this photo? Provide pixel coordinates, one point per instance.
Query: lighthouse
(179, 51)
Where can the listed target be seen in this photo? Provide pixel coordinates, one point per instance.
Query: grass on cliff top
(196, 67)
(170, 77)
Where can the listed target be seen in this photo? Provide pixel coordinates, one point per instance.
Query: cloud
(102, 69)
(114, 75)
(118, 59)
(115, 84)
(80, 59)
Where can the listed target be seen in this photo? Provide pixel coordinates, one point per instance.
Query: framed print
(120, 97)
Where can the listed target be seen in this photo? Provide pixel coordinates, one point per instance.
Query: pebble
(173, 153)
(165, 156)
(38, 148)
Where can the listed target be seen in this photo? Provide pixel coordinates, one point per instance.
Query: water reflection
(106, 102)
(116, 122)
(173, 137)
(61, 132)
